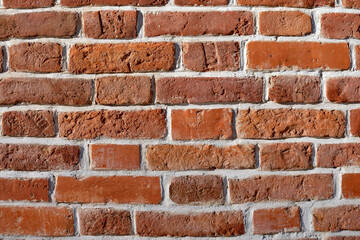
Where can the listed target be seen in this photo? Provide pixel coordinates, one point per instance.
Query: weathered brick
(104, 221)
(267, 55)
(199, 23)
(350, 185)
(274, 220)
(38, 24)
(28, 124)
(189, 224)
(37, 221)
(36, 57)
(295, 89)
(288, 3)
(115, 157)
(1, 58)
(45, 91)
(201, 2)
(180, 90)
(334, 219)
(201, 124)
(281, 188)
(340, 25)
(343, 89)
(197, 190)
(211, 56)
(113, 189)
(284, 23)
(351, 3)
(290, 123)
(126, 90)
(355, 122)
(357, 57)
(78, 3)
(113, 124)
(110, 24)
(338, 155)
(285, 156)
(30, 189)
(39, 157)
(28, 3)
(206, 157)
(343, 238)
(122, 57)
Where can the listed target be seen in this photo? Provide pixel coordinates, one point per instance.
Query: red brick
(355, 122)
(122, 57)
(110, 24)
(340, 25)
(290, 123)
(115, 157)
(104, 221)
(357, 57)
(128, 90)
(197, 190)
(201, 124)
(343, 238)
(286, 156)
(343, 89)
(113, 124)
(113, 189)
(31, 189)
(199, 23)
(334, 219)
(179, 90)
(45, 91)
(1, 58)
(38, 24)
(281, 188)
(28, 124)
(39, 157)
(36, 57)
(350, 185)
(288, 3)
(206, 157)
(206, 224)
(27, 3)
(211, 56)
(351, 3)
(295, 89)
(274, 220)
(268, 55)
(338, 155)
(78, 3)
(284, 23)
(37, 221)
(201, 2)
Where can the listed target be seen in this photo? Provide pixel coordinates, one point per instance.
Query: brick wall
(125, 119)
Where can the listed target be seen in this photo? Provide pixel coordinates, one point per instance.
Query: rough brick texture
(34, 189)
(268, 221)
(121, 58)
(181, 90)
(338, 155)
(285, 123)
(351, 3)
(295, 89)
(343, 89)
(199, 23)
(281, 188)
(355, 122)
(36, 221)
(287, 3)
(27, 3)
(186, 157)
(36, 57)
(284, 23)
(38, 157)
(268, 55)
(201, 2)
(340, 25)
(108, 221)
(201, 124)
(197, 190)
(211, 56)
(78, 3)
(350, 185)
(106, 189)
(155, 224)
(28, 124)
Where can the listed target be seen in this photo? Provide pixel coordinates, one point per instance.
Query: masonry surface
(171, 119)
